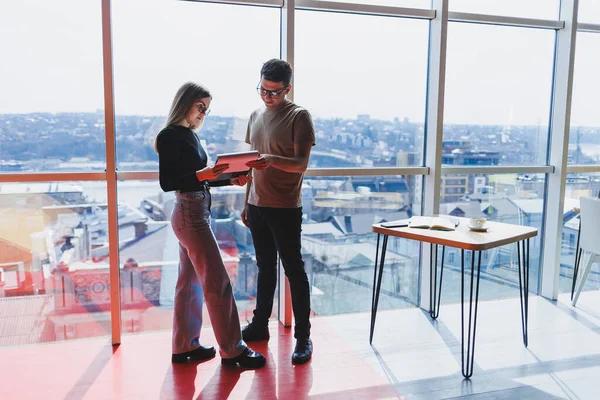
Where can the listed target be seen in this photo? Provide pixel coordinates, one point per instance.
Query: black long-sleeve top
(180, 155)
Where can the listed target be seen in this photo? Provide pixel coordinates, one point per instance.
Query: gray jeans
(201, 267)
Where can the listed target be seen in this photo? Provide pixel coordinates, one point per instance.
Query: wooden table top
(498, 234)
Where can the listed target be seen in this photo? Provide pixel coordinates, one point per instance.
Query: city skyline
(352, 118)
(342, 143)
(507, 81)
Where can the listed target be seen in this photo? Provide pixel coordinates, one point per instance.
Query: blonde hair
(188, 94)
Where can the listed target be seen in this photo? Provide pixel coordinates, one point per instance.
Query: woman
(183, 168)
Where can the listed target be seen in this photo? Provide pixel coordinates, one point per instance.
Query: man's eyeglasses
(270, 93)
(202, 108)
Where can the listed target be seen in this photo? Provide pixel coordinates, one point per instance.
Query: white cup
(477, 223)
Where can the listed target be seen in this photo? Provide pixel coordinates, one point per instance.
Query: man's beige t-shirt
(276, 132)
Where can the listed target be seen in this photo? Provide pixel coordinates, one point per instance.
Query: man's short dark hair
(277, 70)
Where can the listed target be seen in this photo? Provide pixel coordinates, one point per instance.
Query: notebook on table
(434, 223)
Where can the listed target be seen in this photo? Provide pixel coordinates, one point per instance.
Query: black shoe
(199, 354)
(303, 351)
(248, 359)
(254, 333)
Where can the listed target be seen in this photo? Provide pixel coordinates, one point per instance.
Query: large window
(584, 138)
(339, 246)
(366, 90)
(497, 105)
(51, 96)
(513, 199)
(220, 46)
(364, 87)
(205, 46)
(54, 271)
(584, 148)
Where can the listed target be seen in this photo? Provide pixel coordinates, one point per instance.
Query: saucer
(476, 229)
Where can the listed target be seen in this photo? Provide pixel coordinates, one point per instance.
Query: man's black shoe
(248, 359)
(199, 354)
(303, 351)
(254, 333)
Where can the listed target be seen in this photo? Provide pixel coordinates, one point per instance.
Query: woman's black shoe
(199, 354)
(248, 359)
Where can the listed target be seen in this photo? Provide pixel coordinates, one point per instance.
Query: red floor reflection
(140, 368)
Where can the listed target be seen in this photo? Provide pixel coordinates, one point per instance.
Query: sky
(345, 64)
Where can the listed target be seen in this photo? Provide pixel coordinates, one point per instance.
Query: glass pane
(508, 198)
(589, 11)
(497, 104)
(51, 101)
(367, 98)
(149, 254)
(584, 138)
(339, 247)
(54, 274)
(220, 46)
(578, 185)
(542, 9)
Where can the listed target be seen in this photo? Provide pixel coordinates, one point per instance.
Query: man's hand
(264, 161)
(244, 216)
(211, 173)
(241, 180)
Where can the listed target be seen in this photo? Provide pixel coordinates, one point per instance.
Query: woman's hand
(241, 180)
(211, 173)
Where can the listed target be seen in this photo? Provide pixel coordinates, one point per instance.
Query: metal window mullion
(585, 169)
(434, 124)
(52, 177)
(326, 172)
(504, 20)
(259, 3)
(501, 169)
(391, 171)
(559, 140)
(111, 174)
(364, 9)
(585, 27)
(137, 175)
(287, 38)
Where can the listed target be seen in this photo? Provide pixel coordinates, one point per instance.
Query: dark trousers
(278, 230)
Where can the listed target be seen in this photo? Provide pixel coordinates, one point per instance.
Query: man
(283, 133)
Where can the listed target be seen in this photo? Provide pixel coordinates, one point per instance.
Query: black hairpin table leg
(377, 285)
(524, 285)
(435, 290)
(578, 252)
(469, 352)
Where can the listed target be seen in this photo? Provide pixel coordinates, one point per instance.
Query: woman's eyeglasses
(270, 93)
(202, 108)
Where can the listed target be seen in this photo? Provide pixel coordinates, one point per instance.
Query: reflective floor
(412, 357)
